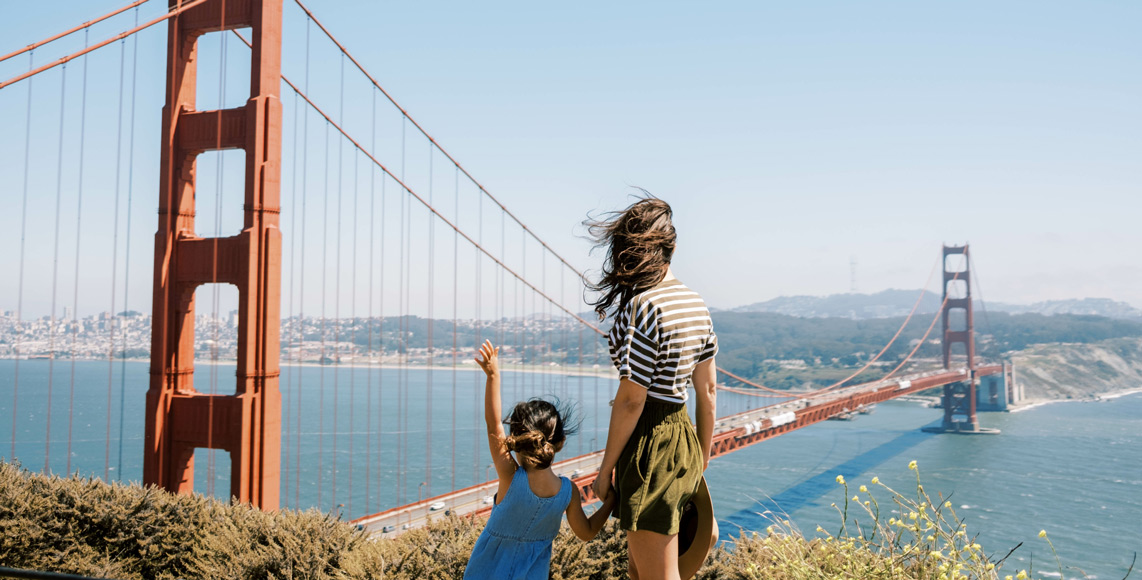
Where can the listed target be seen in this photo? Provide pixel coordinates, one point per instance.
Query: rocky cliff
(1079, 371)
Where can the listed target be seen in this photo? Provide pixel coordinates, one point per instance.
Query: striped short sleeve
(710, 349)
(660, 336)
(634, 345)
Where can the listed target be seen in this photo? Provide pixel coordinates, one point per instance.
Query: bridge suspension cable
(70, 31)
(66, 59)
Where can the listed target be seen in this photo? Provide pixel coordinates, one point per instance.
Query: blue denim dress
(516, 543)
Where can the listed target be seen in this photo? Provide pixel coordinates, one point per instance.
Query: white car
(436, 506)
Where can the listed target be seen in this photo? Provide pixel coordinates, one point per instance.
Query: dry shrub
(85, 526)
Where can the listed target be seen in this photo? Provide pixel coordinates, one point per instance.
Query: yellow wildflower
(855, 498)
(863, 489)
(875, 480)
(947, 504)
(1042, 533)
(841, 479)
(912, 464)
(1022, 575)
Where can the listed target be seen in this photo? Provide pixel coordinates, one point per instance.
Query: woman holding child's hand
(662, 342)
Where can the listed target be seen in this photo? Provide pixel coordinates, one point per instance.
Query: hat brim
(697, 533)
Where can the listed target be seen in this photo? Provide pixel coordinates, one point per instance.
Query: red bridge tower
(959, 398)
(180, 419)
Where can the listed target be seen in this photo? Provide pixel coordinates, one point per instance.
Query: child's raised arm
(488, 359)
(586, 528)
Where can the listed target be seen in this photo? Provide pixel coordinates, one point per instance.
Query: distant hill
(890, 303)
(1090, 306)
(763, 346)
(885, 304)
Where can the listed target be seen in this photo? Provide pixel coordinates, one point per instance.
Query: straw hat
(697, 532)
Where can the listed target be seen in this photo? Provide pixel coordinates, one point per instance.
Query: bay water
(358, 440)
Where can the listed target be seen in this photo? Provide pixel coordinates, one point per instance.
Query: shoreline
(1094, 398)
(601, 371)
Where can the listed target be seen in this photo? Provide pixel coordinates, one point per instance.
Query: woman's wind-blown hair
(538, 429)
(640, 244)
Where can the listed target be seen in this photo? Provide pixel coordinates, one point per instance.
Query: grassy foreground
(89, 527)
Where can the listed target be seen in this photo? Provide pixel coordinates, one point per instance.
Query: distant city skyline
(790, 139)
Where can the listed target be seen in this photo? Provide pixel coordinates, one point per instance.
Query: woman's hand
(602, 486)
(489, 358)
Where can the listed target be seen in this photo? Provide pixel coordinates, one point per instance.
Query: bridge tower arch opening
(179, 418)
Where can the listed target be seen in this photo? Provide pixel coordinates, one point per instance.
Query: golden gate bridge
(361, 229)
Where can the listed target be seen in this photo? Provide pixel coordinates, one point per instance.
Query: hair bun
(532, 449)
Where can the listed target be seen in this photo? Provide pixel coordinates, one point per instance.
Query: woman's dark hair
(537, 431)
(640, 243)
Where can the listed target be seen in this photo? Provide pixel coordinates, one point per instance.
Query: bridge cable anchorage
(55, 272)
(78, 239)
(85, 26)
(65, 59)
(23, 246)
(437, 145)
(127, 246)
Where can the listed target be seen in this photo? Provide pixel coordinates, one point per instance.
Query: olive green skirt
(659, 469)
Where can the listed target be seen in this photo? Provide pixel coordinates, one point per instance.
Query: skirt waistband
(656, 411)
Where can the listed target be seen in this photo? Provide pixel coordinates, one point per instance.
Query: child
(530, 502)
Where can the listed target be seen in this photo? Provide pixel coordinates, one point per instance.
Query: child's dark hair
(537, 430)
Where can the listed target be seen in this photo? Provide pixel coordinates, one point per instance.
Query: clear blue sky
(789, 137)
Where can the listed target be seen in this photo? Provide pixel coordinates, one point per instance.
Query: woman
(662, 341)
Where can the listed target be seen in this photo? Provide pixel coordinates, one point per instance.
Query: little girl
(531, 500)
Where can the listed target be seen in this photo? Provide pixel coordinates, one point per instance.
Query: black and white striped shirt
(658, 338)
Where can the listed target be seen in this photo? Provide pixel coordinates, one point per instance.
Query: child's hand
(489, 358)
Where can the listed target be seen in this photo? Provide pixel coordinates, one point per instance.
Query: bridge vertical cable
(55, 273)
(74, 323)
(292, 347)
(114, 259)
(337, 284)
(23, 254)
(127, 245)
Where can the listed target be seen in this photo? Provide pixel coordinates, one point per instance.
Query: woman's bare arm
(627, 408)
(706, 396)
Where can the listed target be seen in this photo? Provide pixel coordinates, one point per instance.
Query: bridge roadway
(730, 434)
